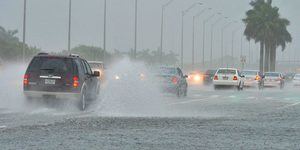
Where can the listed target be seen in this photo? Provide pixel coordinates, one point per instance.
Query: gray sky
(48, 21)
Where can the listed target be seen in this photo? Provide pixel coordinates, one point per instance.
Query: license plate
(49, 81)
(225, 78)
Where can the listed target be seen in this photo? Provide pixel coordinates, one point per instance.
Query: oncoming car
(173, 80)
(228, 77)
(273, 79)
(208, 76)
(252, 78)
(61, 77)
(195, 78)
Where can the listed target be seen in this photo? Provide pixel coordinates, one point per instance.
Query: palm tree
(264, 25)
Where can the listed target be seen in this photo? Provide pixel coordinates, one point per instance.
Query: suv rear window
(51, 65)
(226, 71)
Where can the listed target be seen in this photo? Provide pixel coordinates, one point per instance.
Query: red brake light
(75, 81)
(174, 80)
(26, 80)
(257, 78)
(216, 77)
(235, 78)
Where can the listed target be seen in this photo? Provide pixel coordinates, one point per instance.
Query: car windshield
(226, 71)
(272, 74)
(249, 73)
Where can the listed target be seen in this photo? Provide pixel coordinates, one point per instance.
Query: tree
(11, 47)
(264, 25)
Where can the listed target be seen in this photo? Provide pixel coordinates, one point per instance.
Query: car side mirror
(96, 74)
(185, 76)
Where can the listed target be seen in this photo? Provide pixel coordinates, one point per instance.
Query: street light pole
(193, 41)
(135, 31)
(211, 39)
(69, 32)
(104, 29)
(232, 41)
(162, 29)
(203, 44)
(182, 28)
(222, 40)
(24, 31)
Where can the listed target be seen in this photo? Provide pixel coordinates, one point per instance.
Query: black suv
(62, 77)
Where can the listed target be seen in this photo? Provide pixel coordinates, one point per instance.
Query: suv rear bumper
(226, 82)
(58, 95)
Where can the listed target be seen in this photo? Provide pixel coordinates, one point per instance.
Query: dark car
(208, 76)
(61, 77)
(289, 76)
(173, 80)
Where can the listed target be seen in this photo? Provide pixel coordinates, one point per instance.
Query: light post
(104, 29)
(24, 31)
(193, 36)
(222, 40)
(203, 44)
(163, 7)
(69, 32)
(211, 39)
(232, 40)
(135, 31)
(183, 13)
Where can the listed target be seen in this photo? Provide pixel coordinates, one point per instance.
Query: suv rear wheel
(83, 101)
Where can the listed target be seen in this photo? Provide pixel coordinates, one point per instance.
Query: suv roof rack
(74, 55)
(42, 53)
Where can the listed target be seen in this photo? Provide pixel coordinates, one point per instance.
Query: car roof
(227, 69)
(96, 62)
(56, 56)
(252, 70)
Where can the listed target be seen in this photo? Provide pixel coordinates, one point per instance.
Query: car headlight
(117, 77)
(197, 78)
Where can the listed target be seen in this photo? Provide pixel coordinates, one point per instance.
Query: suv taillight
(75, 81)
(235, 78)
(26, 80)
(257, 78)
(174, 80)
(216, 77)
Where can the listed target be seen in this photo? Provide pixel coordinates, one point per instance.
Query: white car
(97, 66)
(251, 78)
(228, 77)
(296, 80)
(273, 79)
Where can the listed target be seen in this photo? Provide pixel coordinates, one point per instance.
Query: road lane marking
(289, 105)
(2, 127)
(190, 101)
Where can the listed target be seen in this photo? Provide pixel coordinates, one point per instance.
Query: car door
(86, 76)
(93, 81)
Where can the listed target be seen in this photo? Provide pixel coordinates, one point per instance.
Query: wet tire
(83, 101)
(216, 87)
